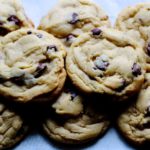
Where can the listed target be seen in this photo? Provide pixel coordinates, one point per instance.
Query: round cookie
(135, 21)
(134, 122)
(69, 103)
(76, 130)
(12, 127)
(71, 18)
(32, 66)
(12, 17)
(106, 61)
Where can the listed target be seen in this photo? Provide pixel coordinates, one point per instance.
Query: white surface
(111, 141)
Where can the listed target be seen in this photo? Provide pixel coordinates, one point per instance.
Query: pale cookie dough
(12, 127)
(106, 61)
(12, 17)
(70, 102)
(32, 65)
(135, 21)
(70, 18)
(134, 123)
(76, 130)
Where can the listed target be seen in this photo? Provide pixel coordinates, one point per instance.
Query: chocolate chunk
(29, 32)
(148, 49)
(39, 35)
(41, 68)
(14, 19)
(73, 94)
(75, 18)
(70, 37)
(3, 31)
(96, 31)
(52, 48)
(102, 66)
(136, 70)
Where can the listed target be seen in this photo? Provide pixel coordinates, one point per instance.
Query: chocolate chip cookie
(32, 66)
(71, 18)
(70, 102)
(106, 61)
(134, 122)
(135, 21)
(76, 130)
(12, 127)
(12, 17)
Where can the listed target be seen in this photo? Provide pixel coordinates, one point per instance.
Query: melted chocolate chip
(52, 48)
(136, 70)
(39, 36)
(14, 19)
(96, 31)
(70, 37)
(29, 32)
(3, 31)
(148, 49)
(41, 68)
(102, 65)
(75, 18)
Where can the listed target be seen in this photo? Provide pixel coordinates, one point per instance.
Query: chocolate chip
(147, 112)
(1, 23)
(19, 80)
(101, 62)
(41, 68)
(123, 85)
(96, 31)
(136, 70)
(29, 32)
(75, 18)
(148, 49)
(73, 94)
(14, 19)
(39, 35)
(3, 31)
(70, 37)
(52, 48)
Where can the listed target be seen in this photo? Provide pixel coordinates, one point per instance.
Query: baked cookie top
(32, 64)
(12, 16)
(134, 122)
(71, 18)
(106, 61)
(135, 21)
(69, 102)
(76, 130)
(12, 127)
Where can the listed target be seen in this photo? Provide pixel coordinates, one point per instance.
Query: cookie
(12, 17)
(71, 18)
(76, 130)
(134, 122)
(106, 61)
(70, 101)
(135, 21)
(32, 66)
(12, 127)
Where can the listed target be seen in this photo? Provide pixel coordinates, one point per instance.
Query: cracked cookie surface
(12, 17)
(134, 122)
(32, 65)
(12, 127)
(71, 18)
(80, 129)
(135, 21)
(106, 61)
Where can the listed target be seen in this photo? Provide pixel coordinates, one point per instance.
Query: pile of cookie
(72, 65)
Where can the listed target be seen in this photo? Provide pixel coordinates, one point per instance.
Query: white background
(111, 141)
